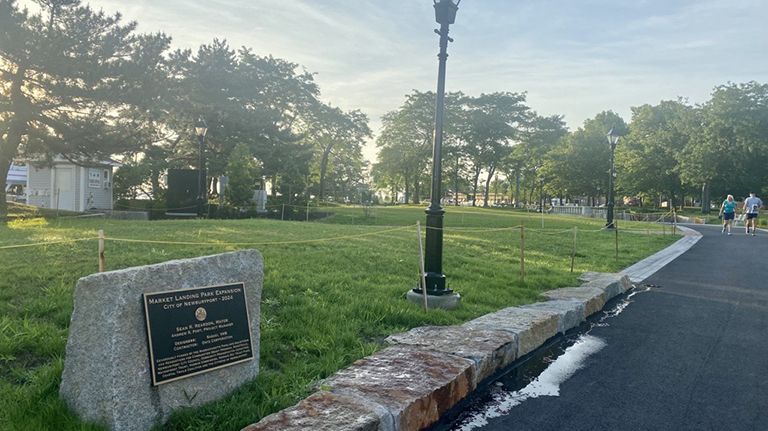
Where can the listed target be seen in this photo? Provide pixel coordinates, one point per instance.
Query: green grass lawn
(325, 304)
(458, 217)
(21, 211)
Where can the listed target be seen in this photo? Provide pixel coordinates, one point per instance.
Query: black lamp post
(445, 15)
(613, 138)
(200, 130)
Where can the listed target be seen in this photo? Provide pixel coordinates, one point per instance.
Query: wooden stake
(101, 251)
(616, 228)
(573, 252)
(522, 251)
(421, 266)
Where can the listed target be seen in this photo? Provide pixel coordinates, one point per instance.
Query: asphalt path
(689, 355)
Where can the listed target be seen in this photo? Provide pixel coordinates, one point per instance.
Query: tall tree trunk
(416, 189)
(323, 169)
(517, 186)
(274, 185)
(17, 129)
(488, 184)
(407, 188)
(5, 166)
(290, 194)
(157, 191)
(474, 186)
(705, 198)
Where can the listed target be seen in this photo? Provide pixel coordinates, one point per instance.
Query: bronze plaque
(193, 331)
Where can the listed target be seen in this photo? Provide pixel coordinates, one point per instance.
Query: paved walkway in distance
(691, 354)
(648, 266)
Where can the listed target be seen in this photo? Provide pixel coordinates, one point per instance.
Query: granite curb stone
(612, 284)
(588, 276)
(532, 327)
(571, 313)
(415, 384)
(490, 351)
(326, 411)
(593, 298)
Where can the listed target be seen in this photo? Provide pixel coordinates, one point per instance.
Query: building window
(94, 178)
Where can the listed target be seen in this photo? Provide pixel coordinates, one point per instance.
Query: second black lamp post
(200, 129)
(613, 138)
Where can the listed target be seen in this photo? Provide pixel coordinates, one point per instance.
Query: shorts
(750, 216)
(728, 216)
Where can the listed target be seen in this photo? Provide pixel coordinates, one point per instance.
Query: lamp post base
(448, 301)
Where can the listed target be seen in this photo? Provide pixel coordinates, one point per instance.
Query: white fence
(579, 211)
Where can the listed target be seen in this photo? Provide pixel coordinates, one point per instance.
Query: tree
(728, 150)
(494, 121)
(406, 139)
(336, 134)
(647, 158)
(67, 74)
(537, 140)
(263, 102)
(242, 173)
(581, 162)
(388, 172)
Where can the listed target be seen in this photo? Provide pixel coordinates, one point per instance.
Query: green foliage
(338, 138)
(524, 164)
(242, 172)
(405, 143)
(649, 157)
(478, 134)
(728, 143)
(582, 162)
(66, 71)
(130, 179)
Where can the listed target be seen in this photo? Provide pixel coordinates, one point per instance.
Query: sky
(574, 58)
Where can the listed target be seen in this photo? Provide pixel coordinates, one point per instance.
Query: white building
(71, 187)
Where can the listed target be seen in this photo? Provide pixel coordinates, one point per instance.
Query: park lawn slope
(325, 303)
(464, 216)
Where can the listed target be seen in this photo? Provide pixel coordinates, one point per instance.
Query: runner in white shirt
(752, 206)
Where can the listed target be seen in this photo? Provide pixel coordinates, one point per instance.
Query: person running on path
(752, 206)
(727, 212)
